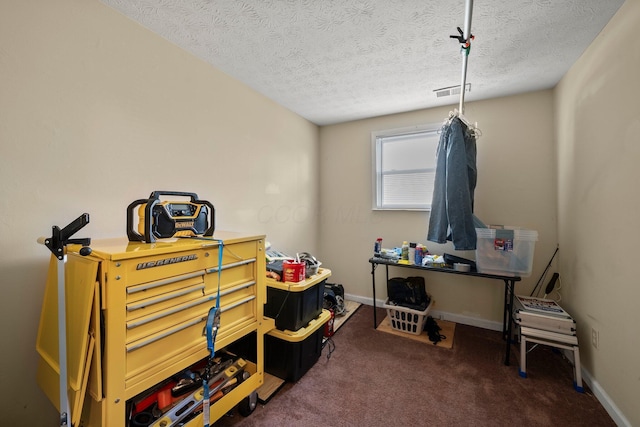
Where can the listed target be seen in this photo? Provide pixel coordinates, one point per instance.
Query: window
(404, 167)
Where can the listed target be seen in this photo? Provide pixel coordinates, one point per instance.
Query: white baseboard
(466, 320)
(442, 315)
(600, 394)
(604, 399)
(362, 300)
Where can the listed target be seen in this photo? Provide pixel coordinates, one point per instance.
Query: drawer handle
(148, 302)
(151, 285)
(237, 303)
(165, 334)
(237, 288)
(165, 313)
(233, 264)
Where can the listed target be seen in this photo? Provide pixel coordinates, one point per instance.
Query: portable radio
(164, 219)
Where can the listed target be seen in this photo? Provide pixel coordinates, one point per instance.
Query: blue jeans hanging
(455, 182)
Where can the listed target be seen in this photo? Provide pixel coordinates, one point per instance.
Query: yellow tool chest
(136, 315)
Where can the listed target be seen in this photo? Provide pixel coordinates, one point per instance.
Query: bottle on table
(412, 253)
(405, 251)
(377, 247)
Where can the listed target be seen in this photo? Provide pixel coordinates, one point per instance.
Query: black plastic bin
(294, 305)
(290, 354)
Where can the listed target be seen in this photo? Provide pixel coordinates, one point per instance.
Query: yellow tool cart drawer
(137, 314)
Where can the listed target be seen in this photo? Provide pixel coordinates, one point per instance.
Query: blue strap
(213, 324)
(213, 318)
(205, 403)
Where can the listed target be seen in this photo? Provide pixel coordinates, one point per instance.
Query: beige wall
(516, 186)
(96, 112)
(598, 133)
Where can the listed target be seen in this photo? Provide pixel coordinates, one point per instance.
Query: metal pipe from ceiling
(465, 50)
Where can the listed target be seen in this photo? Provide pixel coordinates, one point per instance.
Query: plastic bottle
(377, 247)
(412, 253)
(405, 251)
(418, 258)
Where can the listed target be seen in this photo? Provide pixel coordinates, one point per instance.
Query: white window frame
(419, 176)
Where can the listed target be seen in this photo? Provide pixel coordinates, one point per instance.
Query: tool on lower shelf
(195, 400)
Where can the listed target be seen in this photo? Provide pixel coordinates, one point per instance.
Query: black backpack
(409, 292)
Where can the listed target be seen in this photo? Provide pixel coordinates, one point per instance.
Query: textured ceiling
(332, 61)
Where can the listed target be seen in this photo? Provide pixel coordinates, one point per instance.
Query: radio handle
(133, 235)
(155, 195)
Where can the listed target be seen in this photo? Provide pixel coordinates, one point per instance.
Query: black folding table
(509, 287)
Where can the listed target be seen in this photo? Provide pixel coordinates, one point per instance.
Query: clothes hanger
(472, 128)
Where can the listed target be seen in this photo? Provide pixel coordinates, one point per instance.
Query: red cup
(293, 271)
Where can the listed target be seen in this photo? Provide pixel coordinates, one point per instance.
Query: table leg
(505, 305)
(373, 282)
(509, 291)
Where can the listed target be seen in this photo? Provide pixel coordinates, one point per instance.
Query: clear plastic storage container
(505, 251)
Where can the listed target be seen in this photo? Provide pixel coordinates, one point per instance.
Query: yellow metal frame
(110, 286)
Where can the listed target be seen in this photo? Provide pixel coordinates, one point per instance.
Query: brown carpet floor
(379, 379)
